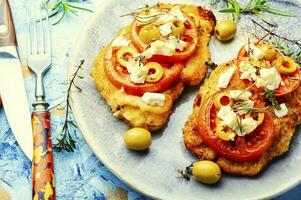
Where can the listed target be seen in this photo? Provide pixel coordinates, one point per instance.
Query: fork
(39, 61)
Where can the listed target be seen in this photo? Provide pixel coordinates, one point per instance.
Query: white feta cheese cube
(177, 43)
(270, 77)
(159, 47)
(177, 13)
(138, 74)
(255, 53)
(154, 99)
(248, 71)
(248, 125)
(165, 29)
(228, 116)
(282, 111)
(224, 78)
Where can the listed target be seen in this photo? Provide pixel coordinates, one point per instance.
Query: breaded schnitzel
(284, 127)
(130, 108)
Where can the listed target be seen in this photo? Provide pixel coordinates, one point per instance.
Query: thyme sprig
(65, 141)
(270, 95)
(62, 7)
(255, 7)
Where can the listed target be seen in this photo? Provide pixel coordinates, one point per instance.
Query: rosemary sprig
(65, 140)
(246, 107)
(62, 7)
(270, 95)
(255, 7)
(239, 124)
(143, 15)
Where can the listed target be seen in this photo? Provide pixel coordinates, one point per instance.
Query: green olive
(259, 117)
(177, 28)
(225, 30)
(224, 132)
(149, 33)
(206, 171)
(269, 52)
(222, 99)
(137, 139)
(285, 65)
(155, 72)
(124, 54)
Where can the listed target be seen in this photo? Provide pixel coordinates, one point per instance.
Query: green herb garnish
(255, 7)
(64, 139)
(270, 95)
(240, 127)
(61, 7)
(143, 15)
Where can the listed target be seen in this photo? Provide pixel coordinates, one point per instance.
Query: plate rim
(71, 67)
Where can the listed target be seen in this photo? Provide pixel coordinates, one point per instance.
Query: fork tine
(35, 36)
(48, 32)
(42, 35)
(29, 40)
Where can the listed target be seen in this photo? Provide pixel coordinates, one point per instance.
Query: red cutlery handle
(42, 163)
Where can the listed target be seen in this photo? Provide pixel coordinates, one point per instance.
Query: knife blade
(12, 88)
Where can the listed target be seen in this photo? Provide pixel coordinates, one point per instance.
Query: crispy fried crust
(130, 108)
(284, 127)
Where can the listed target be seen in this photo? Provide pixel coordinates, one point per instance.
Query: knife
(12, 88)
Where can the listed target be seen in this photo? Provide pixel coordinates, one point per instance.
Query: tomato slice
(120, 78)
(291, 82)
(244, 148)
(190, 36)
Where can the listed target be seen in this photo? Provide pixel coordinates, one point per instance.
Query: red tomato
(121, 78)
(190, 36)
(291, 82)
(244, 148)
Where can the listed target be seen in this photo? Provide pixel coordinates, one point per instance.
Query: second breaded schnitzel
(284, 127)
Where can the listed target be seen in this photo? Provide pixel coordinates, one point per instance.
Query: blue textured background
(79, 175)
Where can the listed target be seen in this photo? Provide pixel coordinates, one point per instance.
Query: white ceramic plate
(154, 172)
